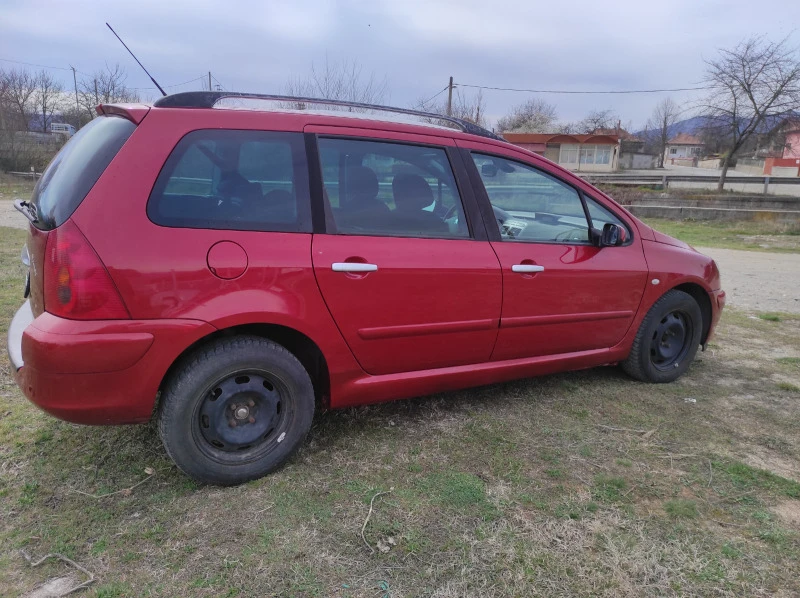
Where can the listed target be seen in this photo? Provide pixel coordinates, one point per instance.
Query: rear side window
(391, 189)
(76, 168)
(241, 180)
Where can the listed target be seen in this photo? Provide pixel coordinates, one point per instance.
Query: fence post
(766, 184)
(664, 182)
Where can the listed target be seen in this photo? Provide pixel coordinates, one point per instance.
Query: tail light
(77, 285)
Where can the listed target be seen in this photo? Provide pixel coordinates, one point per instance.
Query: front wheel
(235, 410)
(667, 340)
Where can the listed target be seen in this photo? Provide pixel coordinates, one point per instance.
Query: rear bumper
(96, 372)
(19, 323)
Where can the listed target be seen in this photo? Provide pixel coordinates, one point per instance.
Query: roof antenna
(137, 60)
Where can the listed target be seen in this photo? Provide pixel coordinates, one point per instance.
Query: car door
(561, 293)
(404, 264)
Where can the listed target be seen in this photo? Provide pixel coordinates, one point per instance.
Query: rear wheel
(236, 410)
(667, 340)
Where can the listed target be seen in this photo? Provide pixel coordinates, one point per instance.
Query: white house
(683, 147)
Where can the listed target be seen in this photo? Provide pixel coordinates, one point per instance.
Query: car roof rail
(208, 99)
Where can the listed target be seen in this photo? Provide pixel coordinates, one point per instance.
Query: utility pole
(450, 98)
(209, 80)
(96, 97)
(75, 81)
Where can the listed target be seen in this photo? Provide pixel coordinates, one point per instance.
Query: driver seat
(412, 194)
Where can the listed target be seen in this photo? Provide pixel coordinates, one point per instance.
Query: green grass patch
(746, 477)
(790, 361)
(769, 317)
(788, 386)
(730, 235)
(681, 509)
(608, 489)
(458, 491)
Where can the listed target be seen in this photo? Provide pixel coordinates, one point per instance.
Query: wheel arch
(301, 346)
(700, 295)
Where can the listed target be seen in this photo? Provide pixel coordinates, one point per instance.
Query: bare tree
(664, 116)
(470, 108)
(756, 81)
(47, 97)
(597, 119)
(105, 86)
(534, 116)
(20, 91)
(345, 81)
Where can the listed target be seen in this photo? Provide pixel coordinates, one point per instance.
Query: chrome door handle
(353, 267)
(526, 268)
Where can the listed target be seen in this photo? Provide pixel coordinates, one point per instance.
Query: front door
(400, 269)
(561, 293)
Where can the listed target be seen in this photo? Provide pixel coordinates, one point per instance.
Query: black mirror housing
(613, 235)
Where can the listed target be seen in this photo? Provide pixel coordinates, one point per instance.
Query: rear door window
(241, 180)
(70, 176)
(391, 189)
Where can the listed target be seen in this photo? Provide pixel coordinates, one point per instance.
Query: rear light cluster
(76, 283)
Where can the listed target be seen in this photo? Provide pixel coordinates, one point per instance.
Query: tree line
(30, 101)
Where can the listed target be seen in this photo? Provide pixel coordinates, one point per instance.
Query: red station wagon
(225, 270)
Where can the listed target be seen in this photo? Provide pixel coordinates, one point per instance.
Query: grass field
(753, 236)
(584, 483)
(12, 186)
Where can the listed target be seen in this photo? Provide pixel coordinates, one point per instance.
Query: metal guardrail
(665, 179)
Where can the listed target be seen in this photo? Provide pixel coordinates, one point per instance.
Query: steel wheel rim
(242, 416)
(671, 340)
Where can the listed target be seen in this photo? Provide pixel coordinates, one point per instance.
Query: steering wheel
(500, 215)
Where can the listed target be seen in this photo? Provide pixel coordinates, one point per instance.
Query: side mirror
(489, 170)
(613, 235)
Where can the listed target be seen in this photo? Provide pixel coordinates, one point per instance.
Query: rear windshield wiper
(27, 208)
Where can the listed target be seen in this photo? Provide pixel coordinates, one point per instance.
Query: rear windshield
(76, 168)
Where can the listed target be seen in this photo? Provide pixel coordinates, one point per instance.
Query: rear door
(561, 293)
(404, 264)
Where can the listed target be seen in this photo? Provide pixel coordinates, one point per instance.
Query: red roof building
(587, 153)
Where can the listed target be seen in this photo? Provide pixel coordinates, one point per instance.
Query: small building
(62, 129)
(684, 148)
(583, 153)
(791, 148)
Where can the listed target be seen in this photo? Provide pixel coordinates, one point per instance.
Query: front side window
(530, 205)
(241, 180)
(391, 189)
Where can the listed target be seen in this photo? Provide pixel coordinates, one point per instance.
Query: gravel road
(759, 281)
(753, 280)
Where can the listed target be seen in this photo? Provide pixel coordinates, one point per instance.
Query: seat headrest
(362, 183)
(411, 192)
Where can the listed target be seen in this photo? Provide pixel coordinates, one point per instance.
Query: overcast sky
(259, 45)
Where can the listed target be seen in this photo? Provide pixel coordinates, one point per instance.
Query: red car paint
(441, 314)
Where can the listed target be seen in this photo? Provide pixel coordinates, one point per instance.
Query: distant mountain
(694, 125)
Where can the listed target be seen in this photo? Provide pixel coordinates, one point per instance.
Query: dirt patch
(759, 281)
(9, 216)
(53, 588)
(788, 512)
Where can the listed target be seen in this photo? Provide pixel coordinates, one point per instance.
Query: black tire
(235, 410)
(667, 340)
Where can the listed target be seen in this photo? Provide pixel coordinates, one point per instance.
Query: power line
(571, 91)
(440, 92)
(175, 85)
(42, 66)
(218, 83)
